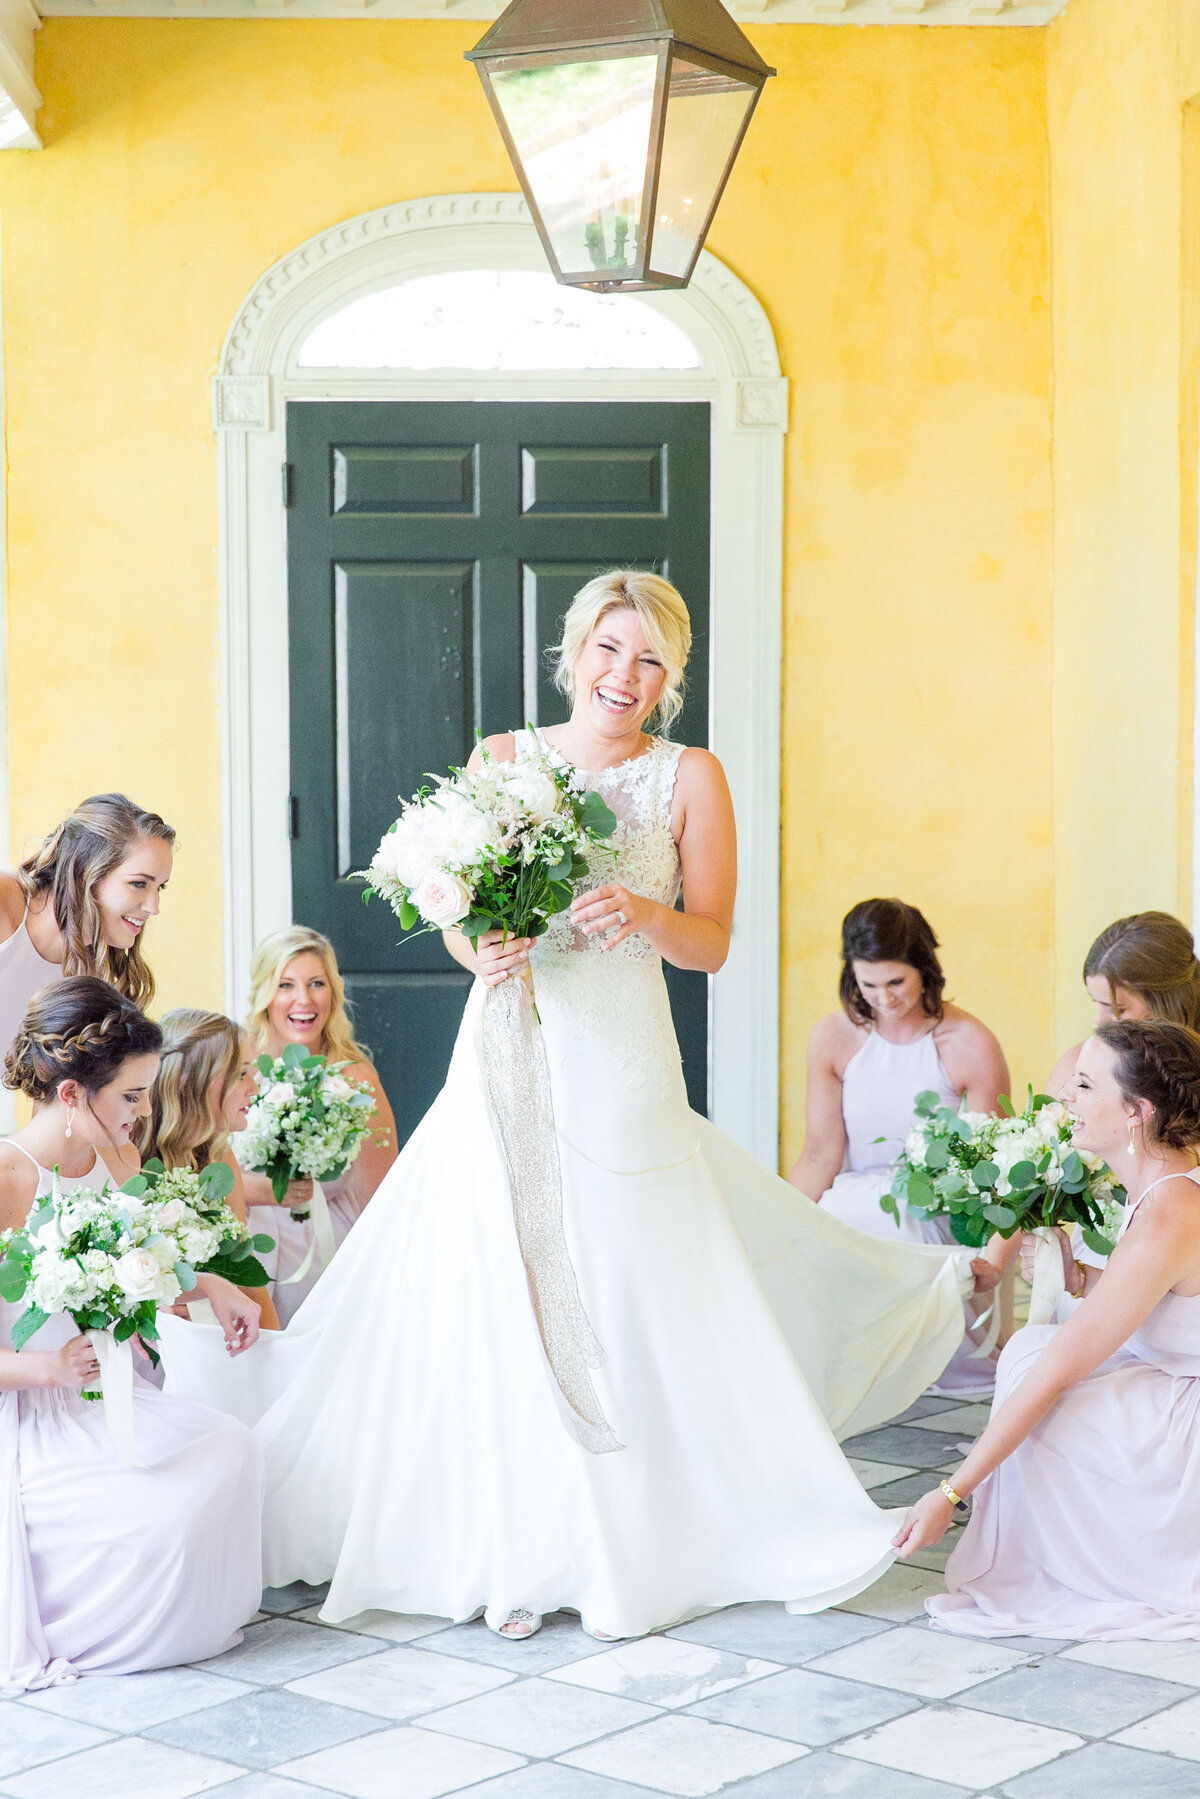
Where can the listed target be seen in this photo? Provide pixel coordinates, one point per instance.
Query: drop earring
(71, 1120)
(1132, 1150)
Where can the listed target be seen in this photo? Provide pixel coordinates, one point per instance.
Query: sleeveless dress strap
(13, 1144)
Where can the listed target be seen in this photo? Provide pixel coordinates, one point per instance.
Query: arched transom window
(504, 319)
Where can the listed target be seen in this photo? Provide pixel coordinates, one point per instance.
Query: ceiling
(19, 20)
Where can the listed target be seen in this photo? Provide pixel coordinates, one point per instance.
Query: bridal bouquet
(307, 1119)
(497, 849)
(109, 1258)
(212, 1237)
(1017, 1173)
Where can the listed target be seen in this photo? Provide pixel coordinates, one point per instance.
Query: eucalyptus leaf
(27, 1324)
(14, 1278)
(217, 1180)
(1001, 1216)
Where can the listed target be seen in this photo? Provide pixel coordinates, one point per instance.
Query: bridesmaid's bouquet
(110, 1258)
(211, 1235)
(497, 849)
(989, 1175)
(307, 1119)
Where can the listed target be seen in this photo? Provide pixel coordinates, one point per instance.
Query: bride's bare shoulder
(502, 748)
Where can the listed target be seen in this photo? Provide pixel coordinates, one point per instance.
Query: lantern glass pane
(705, 113)
(582, 132)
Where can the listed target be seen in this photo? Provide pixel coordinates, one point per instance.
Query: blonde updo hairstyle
(88, 845)
(266, 971)
(186, 1128)
(664, 619)
(81, 1029)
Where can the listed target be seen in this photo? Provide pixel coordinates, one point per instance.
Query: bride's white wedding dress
(418, 1457)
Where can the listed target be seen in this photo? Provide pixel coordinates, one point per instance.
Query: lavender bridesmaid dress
(108, 1569)
(294, 1237)
(1091, 1528)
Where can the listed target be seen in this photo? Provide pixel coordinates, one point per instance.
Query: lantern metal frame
(698, 32)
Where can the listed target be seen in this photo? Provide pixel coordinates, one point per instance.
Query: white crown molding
(770, 12)
(19, 97)
(739, 377)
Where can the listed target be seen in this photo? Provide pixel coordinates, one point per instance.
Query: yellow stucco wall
(890, 209)
(1123, 158)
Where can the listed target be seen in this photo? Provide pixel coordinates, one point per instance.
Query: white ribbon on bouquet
(517, 1082)
(1048, 1283)
(116, 1385)
(323, 1242)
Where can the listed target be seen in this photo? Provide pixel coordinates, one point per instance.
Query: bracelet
(956, 1499)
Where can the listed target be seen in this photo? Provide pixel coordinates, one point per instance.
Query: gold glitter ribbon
(518, 1087)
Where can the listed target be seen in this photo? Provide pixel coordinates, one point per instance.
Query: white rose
(334, 1087)
(461, 829)
(533, 790)
(138, 1274)
(406, 853)
(281, 1094)
(442, 899)
(171, 1214)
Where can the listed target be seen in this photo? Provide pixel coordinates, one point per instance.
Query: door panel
(432, 551)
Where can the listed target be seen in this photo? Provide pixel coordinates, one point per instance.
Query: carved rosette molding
(762, 403)
(488, 221)
(241, 402)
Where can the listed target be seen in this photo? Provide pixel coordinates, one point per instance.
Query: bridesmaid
(79, 905)
(202, 1096)
(106, 1568)
(894, 1038)
(1143, 966)
(1086, 1521)
(297, 996)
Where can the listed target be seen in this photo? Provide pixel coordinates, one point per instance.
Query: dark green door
(432, 551)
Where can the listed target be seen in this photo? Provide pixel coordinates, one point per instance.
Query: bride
(420, 1455)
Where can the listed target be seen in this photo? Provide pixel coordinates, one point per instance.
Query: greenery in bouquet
(212, 1236)
(107, 1257)
(307, 1119)
(495, 849)
(992, 1175)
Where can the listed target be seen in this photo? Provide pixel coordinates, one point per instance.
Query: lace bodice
(645, 856)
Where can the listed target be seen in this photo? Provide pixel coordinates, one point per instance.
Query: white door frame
(739, 375)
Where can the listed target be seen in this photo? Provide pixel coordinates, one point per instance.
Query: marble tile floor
(862, 1702)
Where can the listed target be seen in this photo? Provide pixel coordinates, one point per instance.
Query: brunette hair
(185, 1128)
(888, 930)
(664, 618)
(88, 844)
(266, 971)
(80, 1029)
(1159, 1061)
(1153, 955)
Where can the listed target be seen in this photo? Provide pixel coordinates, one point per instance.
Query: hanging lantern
(622, 119)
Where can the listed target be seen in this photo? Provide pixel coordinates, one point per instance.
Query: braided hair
(1159, 1061)
(78, 854)
(80, 1029)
